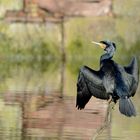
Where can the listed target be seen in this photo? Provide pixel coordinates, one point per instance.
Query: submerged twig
(105, 124)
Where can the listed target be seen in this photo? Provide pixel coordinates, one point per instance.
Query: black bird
(112, 82)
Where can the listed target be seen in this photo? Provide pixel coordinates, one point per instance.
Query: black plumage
(112, 81)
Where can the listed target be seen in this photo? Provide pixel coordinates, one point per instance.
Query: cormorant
(112, 82)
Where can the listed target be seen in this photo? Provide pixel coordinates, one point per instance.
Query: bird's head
(108, 46)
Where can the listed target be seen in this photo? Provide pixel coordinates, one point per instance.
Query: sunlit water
(30, 107)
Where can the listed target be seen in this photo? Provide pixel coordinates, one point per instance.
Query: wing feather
(89, 84)
(133, 70)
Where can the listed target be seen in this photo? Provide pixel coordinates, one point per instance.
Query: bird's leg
(111, 103)
(110, 99)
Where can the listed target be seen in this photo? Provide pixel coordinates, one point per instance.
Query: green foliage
(76, 46)
(27, 49)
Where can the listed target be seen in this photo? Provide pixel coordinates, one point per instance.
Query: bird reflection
(112, 82)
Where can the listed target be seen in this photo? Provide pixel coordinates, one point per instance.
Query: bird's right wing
(133, 70)
(89, 83)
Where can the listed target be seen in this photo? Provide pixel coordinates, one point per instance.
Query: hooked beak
(103, 46)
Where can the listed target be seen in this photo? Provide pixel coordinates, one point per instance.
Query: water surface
(31, 107)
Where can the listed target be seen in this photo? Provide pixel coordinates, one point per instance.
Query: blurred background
(43, 43)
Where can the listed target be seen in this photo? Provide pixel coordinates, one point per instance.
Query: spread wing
(133, 70)
(89, 83)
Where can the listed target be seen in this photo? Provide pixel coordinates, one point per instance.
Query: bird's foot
(113, 105)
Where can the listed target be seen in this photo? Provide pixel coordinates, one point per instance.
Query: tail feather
(126, 107)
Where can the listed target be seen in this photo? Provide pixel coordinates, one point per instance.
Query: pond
(31, 107)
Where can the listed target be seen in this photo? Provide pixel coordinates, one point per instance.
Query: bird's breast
(108, 76)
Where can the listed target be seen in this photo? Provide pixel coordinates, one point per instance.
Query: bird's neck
(106, 56)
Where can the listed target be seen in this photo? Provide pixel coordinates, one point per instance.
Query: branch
(105, 124)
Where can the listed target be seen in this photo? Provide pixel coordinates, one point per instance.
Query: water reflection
(28, 116)
(31, 107)
(29, 76)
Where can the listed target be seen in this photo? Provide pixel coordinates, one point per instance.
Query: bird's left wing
(89, 83)
(133, 70)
